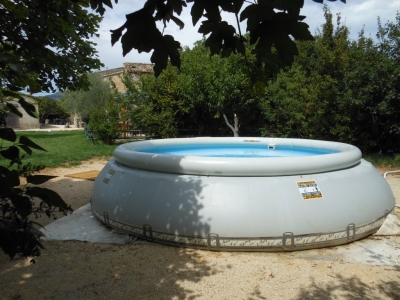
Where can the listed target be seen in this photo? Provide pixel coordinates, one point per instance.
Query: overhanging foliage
(273, 26)
(45, 44)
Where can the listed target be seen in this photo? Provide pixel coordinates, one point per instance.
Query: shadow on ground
(351, 288)
(104, 272)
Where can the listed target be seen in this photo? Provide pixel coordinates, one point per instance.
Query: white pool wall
(242, 204)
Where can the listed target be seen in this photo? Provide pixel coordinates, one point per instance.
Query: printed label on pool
(309, 190)
(108, 176)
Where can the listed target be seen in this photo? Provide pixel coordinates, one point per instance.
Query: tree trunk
(235, 127)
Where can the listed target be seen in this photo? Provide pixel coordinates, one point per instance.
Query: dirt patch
(78, 270)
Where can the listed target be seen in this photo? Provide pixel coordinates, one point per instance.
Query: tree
(327, 64)
(105, 118)
(339, 89)
(312, 98)
(43, 45)
(288, 107)
(18, 233)
(272, 26)
(46, 45)
(83, 102)
(50, 109)
(205, 94)
(217, 87)
(375, 83)
(156, 104)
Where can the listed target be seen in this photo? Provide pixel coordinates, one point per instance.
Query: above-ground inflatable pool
(242, 194)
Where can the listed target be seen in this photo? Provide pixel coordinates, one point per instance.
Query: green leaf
(8, 134)
(300, 31)
(212, 10)
(301, 18)
(17, 68)
(222, 38)
(237, 5)
(240, 48)
(292, 7)
(98, 5)
(108, 3)
(227, 5)
(49, 197)
(206, 27)
(4, 171)
(13, 109)
(28, 107)
(287, 49)
(178, 6)
(27, 142)
(11, 178)
(116, 35)
(178, 22)
(167, 47)
(22, 204)
(137, 38)
(160, 60)
(197, 11)
(38, 225)
(26, 149)
(8, 238)
(171, 46)
(12, 153)
(257, 13)
(164, 12)
(39, 179)
(33, 85)
(18, 191)
(4, 57)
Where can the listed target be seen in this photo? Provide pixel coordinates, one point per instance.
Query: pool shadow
(151, 205)
(148, 271)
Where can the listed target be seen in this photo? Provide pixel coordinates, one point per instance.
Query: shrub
(104, 121)
(18, 233)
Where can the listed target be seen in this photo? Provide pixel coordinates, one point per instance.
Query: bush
(18, 234)
(104, 121)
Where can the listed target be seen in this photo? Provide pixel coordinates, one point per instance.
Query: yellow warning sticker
(252, 141)
(309, 190)
(108, 176)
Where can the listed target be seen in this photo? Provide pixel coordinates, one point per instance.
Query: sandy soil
(78, 270)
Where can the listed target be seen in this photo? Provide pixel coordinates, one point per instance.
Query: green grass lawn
(383, 160)
(64, 148)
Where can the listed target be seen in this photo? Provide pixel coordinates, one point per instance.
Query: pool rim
(344, 156)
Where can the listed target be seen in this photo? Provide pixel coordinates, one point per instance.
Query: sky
(355, 14)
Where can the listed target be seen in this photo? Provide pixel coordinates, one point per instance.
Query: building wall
(26, 121)
(135, 70)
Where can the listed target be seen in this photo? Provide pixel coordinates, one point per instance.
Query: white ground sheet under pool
(378, 249)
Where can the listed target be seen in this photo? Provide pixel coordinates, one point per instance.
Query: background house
(135, 70)
(26, 121)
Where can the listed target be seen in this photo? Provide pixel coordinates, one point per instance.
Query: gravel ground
(79, 270)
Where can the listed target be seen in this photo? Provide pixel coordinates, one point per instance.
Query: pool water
(247, 151)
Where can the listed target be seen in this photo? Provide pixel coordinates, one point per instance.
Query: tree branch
(227, 123)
